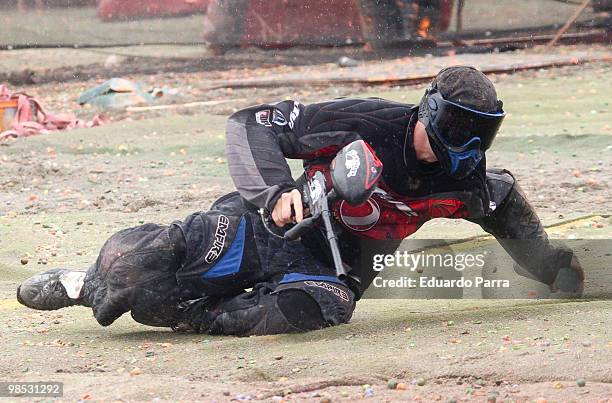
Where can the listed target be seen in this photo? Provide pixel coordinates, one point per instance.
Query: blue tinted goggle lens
(455, 124)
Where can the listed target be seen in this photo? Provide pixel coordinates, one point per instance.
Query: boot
(53, 289)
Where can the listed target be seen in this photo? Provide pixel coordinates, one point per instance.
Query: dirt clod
(135, 372)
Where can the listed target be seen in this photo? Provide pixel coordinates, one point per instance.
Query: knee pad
(300, 309)
(269, 308)
(326, 303)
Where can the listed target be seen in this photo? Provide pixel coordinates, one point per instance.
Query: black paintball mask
(458, 135)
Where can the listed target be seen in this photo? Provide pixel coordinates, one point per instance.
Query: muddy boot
(53, 289)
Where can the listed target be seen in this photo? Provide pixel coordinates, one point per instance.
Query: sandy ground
(62, 195)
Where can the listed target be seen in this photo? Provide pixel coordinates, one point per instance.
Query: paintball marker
(355, 170)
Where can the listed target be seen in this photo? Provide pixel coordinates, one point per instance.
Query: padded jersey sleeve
(259, 138)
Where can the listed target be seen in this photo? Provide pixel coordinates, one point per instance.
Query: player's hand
(577, 268)
(288, 209)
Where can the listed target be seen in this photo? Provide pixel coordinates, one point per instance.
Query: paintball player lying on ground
(193, 274)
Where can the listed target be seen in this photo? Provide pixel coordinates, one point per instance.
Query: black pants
(194, 274)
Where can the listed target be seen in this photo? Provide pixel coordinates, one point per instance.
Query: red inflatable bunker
(109, 10)
(294, 22)
(302, 22)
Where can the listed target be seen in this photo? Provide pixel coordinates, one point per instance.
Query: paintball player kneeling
(223, 271)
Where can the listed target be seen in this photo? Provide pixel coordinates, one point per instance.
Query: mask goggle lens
(461, 124)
